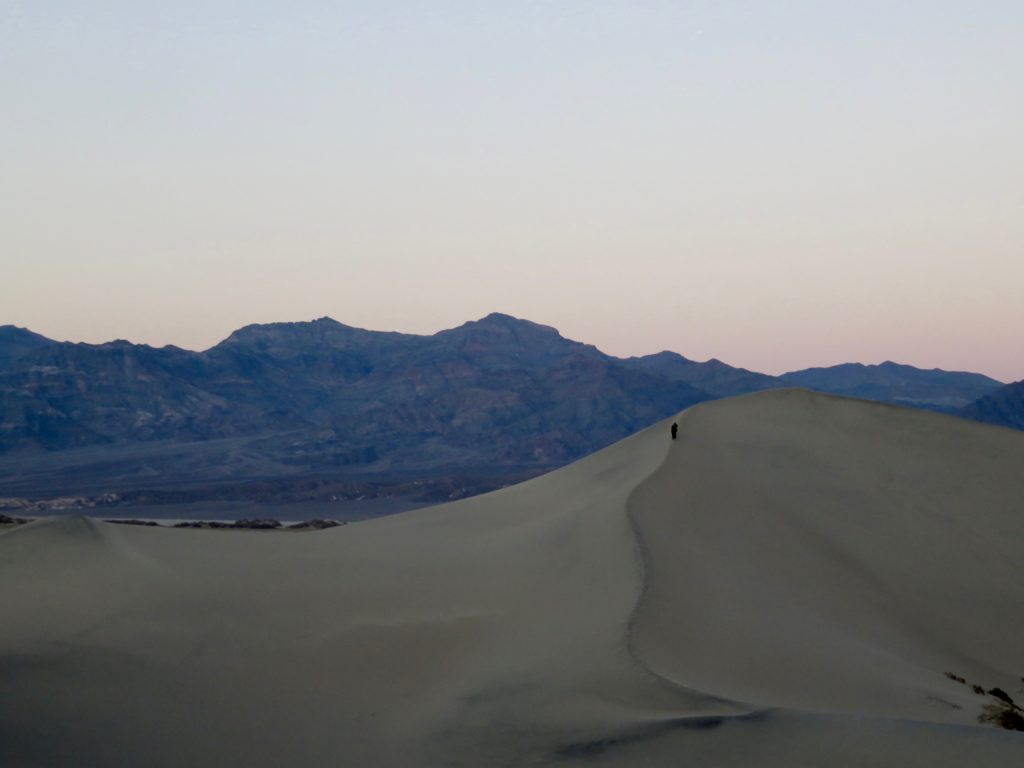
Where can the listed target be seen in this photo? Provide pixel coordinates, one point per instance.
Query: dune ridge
(844, 685)
(788, 582)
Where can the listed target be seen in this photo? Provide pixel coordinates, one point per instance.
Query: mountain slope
(67, 395)
(1004, 407)
(16, 342)
(713, 376)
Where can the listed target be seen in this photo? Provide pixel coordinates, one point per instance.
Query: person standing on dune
(675, 428)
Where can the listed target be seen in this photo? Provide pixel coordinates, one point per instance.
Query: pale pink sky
(779, 187)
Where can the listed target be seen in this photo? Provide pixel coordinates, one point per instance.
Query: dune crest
(790, 579)
(842, 571)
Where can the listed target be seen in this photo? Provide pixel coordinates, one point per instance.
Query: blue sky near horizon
(777, 184)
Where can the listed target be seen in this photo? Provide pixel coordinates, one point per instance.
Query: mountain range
(323, 408)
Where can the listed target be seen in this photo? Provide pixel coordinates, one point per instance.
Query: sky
(778, 184)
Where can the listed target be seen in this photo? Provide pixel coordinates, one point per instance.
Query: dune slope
(787, 582)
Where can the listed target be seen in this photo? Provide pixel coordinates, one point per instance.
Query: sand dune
(786, 584)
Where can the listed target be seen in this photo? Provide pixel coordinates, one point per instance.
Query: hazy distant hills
(311, 404)
(894, 383)
(1005, 407)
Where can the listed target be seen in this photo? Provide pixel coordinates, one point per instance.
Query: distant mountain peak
(508, 326)
(501, 320)
(712, 376)
(298, 325)
(500, 337)
(501, 317)
(297, 328)
(17, 332)
(667, 355)
(16, 342)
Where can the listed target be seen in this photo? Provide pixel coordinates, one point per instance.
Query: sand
(785, 584)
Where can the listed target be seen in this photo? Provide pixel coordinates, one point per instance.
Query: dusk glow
(779, 185)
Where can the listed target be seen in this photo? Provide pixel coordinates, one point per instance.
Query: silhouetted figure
(675, 428)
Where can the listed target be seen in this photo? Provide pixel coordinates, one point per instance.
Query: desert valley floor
(795, 581)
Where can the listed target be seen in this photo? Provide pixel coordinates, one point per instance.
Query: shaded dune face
(788, 580)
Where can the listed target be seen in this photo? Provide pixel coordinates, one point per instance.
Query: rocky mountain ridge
(322, 404)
